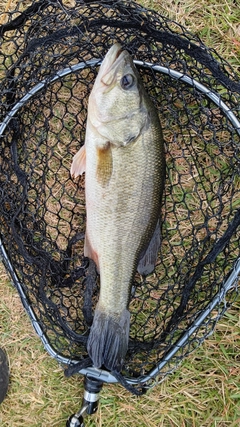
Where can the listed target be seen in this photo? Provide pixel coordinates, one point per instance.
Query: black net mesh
(50, 56)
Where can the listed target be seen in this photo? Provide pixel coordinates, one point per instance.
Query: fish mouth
(113, 57)
(116, 52)
(110, 64)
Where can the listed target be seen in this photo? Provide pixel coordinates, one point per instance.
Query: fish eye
(127, 81)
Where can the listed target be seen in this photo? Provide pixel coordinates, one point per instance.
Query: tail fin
(108, 340)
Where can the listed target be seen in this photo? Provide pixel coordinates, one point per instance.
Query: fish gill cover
(50, 56)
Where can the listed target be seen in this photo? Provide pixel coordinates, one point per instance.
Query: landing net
(50, 56)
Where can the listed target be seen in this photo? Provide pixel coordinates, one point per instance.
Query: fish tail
(108, 339)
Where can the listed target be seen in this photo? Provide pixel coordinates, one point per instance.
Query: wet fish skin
(123, 158)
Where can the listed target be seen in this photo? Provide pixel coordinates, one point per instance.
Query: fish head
(116, 104)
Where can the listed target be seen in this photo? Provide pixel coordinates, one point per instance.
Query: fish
(124, 164)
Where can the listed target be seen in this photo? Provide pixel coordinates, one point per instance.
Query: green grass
(216, 22)
(204, 390)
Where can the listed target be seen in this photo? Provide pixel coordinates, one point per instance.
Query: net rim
(219, 297)
(213, 96)
(106, 376)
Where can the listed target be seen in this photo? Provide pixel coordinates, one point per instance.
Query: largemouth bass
(123, 160)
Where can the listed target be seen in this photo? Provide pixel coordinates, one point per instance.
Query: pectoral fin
(79, 162)
(147, 262)
(104, 164)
